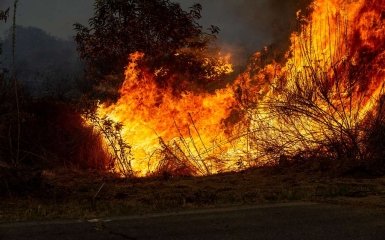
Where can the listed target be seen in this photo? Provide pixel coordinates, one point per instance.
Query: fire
(333, 74)
(332, 78)
(189, 127)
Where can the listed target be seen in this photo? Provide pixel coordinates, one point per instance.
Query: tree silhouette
(4, 15)
(171, 39)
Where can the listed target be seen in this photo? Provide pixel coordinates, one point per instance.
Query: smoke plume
(249, 25)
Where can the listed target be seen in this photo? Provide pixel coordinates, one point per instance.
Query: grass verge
(65, 194)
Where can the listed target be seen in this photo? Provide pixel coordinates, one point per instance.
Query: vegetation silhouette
(171, 39)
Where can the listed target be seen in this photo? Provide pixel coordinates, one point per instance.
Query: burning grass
(322, 102)
(311, 121)
(168, 131)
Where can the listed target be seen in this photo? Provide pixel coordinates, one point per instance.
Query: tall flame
(336, 62)
(155, 118)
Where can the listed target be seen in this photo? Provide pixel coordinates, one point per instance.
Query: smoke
(5, 4)
(249, 25)
(53, 16)
(284, 20)
(246, 25)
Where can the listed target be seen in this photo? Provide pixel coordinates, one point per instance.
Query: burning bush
(168, 131)
(318, 102)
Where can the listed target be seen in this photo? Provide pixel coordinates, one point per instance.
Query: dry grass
(68, 194)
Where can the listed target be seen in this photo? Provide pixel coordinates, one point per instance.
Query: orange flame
(332, 78)
(153, 116)
(339, 52)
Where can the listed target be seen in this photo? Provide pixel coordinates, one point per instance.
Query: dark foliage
(375, 139)
(171, 39)
(4, 15)
(45, 133)
(53, 134)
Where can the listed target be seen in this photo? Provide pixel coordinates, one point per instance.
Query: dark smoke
(284, 20)
(249, 25)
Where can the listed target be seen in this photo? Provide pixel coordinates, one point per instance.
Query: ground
(70, 194)
(290, 221)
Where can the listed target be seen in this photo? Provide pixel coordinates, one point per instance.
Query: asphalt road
(276, 222)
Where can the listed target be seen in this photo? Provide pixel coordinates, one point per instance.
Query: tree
(4, 15)
(171, 39)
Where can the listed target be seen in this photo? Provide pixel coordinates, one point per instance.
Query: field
(64, 194)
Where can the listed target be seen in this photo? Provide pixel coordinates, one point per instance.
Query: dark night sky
(246, 25)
